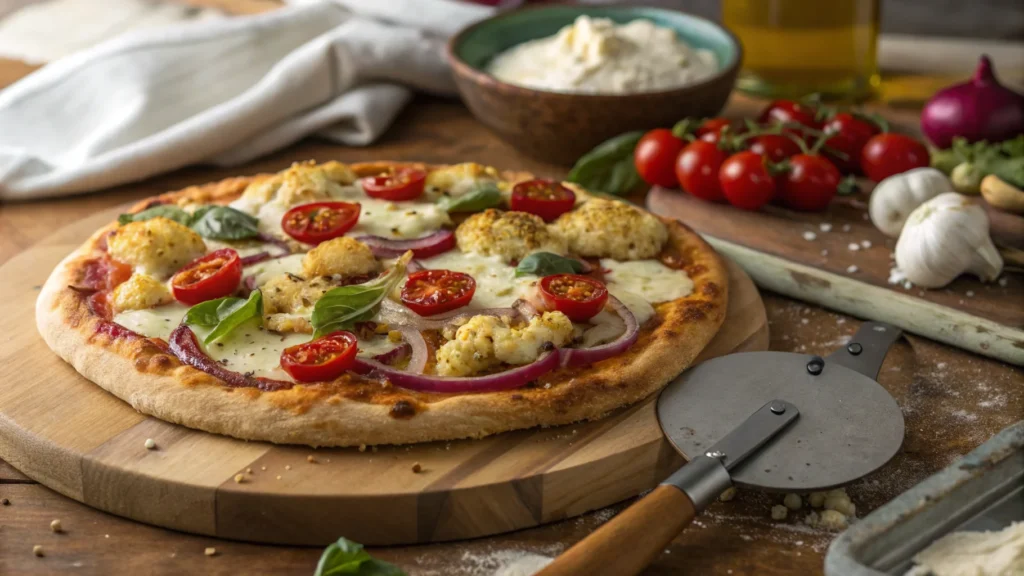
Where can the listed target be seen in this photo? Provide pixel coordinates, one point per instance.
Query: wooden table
(952, 401)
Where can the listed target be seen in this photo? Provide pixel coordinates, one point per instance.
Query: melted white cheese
(650, 279)
(243, 247)
(156, 322)
(496, 283)
(250, 348)
(264, 271)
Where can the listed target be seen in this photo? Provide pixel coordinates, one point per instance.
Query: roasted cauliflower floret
(343, 256)
(511, 235)
(302, 183)
(487, 341)
(608, 229)
(288, 301)
(461, 178)
(139, 292)
(157, 246)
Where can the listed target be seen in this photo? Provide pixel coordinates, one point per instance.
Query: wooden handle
(629, 542)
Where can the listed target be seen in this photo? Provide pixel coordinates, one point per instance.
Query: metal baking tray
(984, 490)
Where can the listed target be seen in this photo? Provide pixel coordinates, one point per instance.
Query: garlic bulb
(897, 196)
(945, 237)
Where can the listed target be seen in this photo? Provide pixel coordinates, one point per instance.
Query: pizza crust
(154, 382)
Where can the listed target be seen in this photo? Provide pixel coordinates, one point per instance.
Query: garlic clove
(894, 198)
(945, 237)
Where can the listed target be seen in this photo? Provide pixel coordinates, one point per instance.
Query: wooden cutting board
(838, 259)
(72, 436)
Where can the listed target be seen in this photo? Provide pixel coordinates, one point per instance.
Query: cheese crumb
(824, 252)
(416, 468)
(852, 269)
(816, 499)
(846, 227)
(970, 293)
(839, 501)
(287, 466)
(779, 512)
(729, 494)
(239, 478)
(362, 447)
(211, 551)
(278, 476)
(853, 246)
(248, 470)
(150, 444)
(56, 527)
(1003, 281)
(263, 467)
(825, 227)
(37, 550)
(792, 501)
(832, 520)
(311, 459)
(808, 235)
(865, 244)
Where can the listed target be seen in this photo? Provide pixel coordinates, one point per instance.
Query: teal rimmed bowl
(560, 127)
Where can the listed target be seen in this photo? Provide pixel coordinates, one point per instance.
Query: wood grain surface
(88, 445)
(952, 402)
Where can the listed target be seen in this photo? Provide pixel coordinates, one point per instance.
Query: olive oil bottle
(796, 47)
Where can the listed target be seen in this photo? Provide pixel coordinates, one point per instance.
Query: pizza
(383, 303)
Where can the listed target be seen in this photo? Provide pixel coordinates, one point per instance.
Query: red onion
(255, 258)
(418, 358)
(425, 247)
(585, 356)
(394, 314)
(980, 109)
(507, 380)
(183, 344)
(392, 356)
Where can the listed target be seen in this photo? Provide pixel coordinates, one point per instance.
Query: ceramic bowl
(559, 127)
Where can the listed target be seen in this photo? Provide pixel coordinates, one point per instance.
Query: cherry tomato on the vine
(655, 157)
(774, 147)
(697, 170)
(746, 180)
(809, 184)
(847, 134)
(887, 154)
(787, 112)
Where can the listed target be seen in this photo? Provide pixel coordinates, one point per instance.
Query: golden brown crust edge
(155, 383)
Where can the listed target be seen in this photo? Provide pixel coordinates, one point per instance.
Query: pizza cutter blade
(773, 421)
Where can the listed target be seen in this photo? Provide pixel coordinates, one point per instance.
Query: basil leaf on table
(224, 223)
(609, 167)
(481, 197)
(340, 308)
(547, 264)
(164, 211)
(349, 558)
(225, 314)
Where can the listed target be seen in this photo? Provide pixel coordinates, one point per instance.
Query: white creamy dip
(595, 55)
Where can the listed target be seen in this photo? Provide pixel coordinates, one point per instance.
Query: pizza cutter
(773, 421)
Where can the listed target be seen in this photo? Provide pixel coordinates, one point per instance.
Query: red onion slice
(255, 258)
(508, 380)
(425, 247)
(183, 344)
(585, 356)
(393, 355)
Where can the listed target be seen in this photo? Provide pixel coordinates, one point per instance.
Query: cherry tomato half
(322, 359)
(212, 276)
(774, 147)
(320, 221)
(888, 154)
(848, 134)
(697, 170)
(655, 157)
(810, 184)
(430, 292)
(545, 198)
(788, 112)
(746, 181)
(578, 297)
(402, 184)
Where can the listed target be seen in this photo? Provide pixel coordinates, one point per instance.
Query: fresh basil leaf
(547, 264)
(340, 308)
(168, 211)
(225, 314)
(485, 195)
(224, 223)
(348, 557)
(609, 167)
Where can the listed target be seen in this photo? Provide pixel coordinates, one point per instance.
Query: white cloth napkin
(222, 92)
